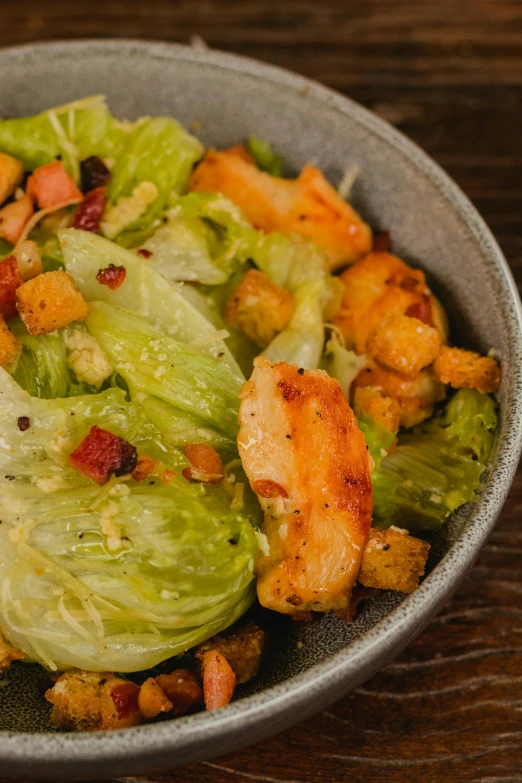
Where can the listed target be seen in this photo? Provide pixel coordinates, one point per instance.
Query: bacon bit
(144, 252)
(205, 464)
(422, 310)
(152, 700)
(14, 218)
(289, 391)
(90, 211)
(219, 680)
(183, 689)
(10, 280)
(144, 468)
(50, 185)
(94, 173)
(101, 454)
(112, 276)
(125, 698)
(268, 489)
(24, 422)
(359, 595)
(381, 242)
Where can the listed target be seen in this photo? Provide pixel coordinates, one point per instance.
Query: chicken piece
(205, 464)
(183, 690)
(50, 301)
(50, 185)
(10, 281)
(393, 560)
(29, 260)
(259, 308)
(379, 287)
(7, 655)
(11, 175)
(14, 218)
(378, 404)
(415, 396)
(306, 458)
(93, 701)
(9, 345)
(307, 206)
(152, 700)
(466, 369)
(219, 681)
(404, 344)
(243, 649)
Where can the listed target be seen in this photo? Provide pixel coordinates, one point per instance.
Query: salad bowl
(224, 99)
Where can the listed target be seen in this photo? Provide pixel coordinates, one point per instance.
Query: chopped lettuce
(264, 156)
(117, 577)
(41, 368)
(341, 364)
(437, 467)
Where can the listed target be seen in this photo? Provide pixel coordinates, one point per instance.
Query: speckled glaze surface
(432, 224)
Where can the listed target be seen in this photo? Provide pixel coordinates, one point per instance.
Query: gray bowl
(432, 224)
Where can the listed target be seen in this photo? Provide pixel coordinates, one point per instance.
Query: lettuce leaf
(41, 368)
(437, 467)
(342, 364)
(264, 156)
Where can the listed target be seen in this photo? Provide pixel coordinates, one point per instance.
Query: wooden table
(449, 74)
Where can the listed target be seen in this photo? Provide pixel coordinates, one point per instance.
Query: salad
(217, 386)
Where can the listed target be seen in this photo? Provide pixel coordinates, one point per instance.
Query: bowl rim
(277, 707)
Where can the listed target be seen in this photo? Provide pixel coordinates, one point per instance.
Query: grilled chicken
(306, 459)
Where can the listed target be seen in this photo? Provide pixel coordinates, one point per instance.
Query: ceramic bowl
(432, 224)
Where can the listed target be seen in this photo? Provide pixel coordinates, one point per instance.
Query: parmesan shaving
(346, 183)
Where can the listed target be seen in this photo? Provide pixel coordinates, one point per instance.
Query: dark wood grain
(449, 74)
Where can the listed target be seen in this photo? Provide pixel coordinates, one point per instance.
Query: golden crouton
(393, 560)
(151, 699)
(14, 217)
(93, 701)
(50, 301)
(259, 307)
(243, 649)
(28, 259)
(467, 369)
(9, 349)
(307, 206)
(11, 175)
(404, 344)
(377, 403)
(7, 655)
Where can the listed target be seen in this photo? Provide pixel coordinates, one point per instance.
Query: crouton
(10, 281)
(151, 699)
(393, 560)
(182, 688)
(11, 175)
(243, 649)
(259, 308)
(466, 369)
(205, 464)
(403, 344)
(7, 655)
(415, 396)
(219, 681)
(50, 301)
(144, 468)
(9, 345)
(307, 206)
(50, 185)
(14, 218)
(376, 402)
(93, 701)
(29, 260)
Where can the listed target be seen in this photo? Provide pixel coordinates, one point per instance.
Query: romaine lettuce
(41, 368)
(264, 156)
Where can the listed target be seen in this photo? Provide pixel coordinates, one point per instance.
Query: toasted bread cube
(14, 218)
(9, 345)
(243, 648)
(377, 403)
(10, 281)
(11, 175)
(467, 369)
(259, 307)
(393, 560)
(50, 301)
(50, 185)
(29, 260)
(404, 344)
(151, 699)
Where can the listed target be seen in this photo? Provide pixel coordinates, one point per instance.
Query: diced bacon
(145, 253)
(14, 218)
(144, 468)
(10, 280)
(94, 173)
(183, 689)
(205, 464)
(102, 454)
(90, 210)
(112, 276)
(50, 185)
(125, 698)
(219, 680)
(422, 310)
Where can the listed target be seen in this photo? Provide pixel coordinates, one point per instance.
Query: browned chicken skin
(306, 458)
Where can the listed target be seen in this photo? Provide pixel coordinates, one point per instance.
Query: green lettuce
(437, 467)
(264, 156)
(41, 368)
(341, 364)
